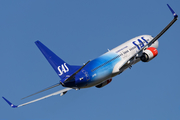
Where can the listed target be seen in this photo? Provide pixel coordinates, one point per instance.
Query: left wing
(55, 93)
(166, 28)
(125, 61)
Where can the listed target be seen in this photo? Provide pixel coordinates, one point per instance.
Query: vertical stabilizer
(61, 67)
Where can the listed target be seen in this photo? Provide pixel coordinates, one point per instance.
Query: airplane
(100, 71)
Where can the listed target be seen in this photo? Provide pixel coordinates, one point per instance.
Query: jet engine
(149, 54)
(104, 83)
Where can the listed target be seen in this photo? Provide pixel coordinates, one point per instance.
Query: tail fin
(61, 67)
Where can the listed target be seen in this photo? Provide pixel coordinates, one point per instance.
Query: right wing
(55, 93)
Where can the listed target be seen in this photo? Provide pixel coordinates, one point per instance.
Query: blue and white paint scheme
(100, 71)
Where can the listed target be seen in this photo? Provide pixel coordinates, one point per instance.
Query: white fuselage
(115, 61)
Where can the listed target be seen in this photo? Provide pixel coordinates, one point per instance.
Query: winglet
(12, 105)
(175, 15)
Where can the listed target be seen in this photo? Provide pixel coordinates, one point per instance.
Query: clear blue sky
(77, 31)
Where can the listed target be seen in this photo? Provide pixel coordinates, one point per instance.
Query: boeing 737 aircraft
(100, 71)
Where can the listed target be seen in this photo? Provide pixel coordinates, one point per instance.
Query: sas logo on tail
(62, 69)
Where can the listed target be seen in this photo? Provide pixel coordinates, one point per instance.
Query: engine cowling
(149, 54)
(104, 83)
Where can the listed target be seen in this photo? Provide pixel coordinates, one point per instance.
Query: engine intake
(149, 54)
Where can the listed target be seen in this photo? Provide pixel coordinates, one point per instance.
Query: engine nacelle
(104, 83)
(149, 54)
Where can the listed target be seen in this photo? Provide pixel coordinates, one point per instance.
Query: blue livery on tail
(61, 67)
(100, 71)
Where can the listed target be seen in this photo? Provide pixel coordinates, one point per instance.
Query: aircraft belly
(100, 69)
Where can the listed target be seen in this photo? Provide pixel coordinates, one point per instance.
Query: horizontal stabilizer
(42, 90)
(68, 79)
